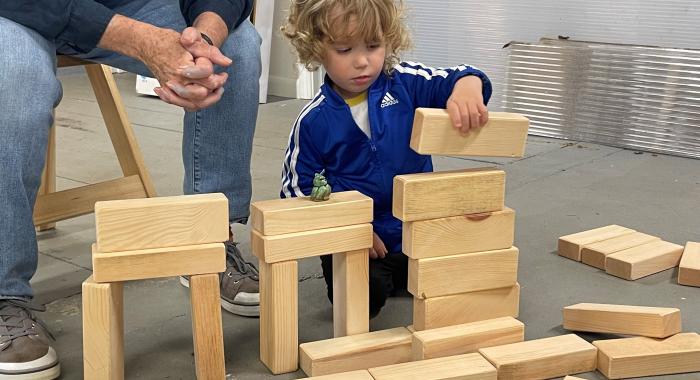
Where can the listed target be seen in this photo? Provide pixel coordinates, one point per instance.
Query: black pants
(386, 277)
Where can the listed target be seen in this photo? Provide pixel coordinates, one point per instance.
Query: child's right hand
(378, 250)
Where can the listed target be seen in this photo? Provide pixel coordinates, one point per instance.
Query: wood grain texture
(641, 356)
(595, 254)
(352, 375)
(450, 193)
(431, 313)
(351, 293)
(459, 234)
(279, 316)
(207, 328)
(460, 367)
(656, 322)
(103, 330)
(283, 216)
(644, 260)
(504, 135)
(689, 271)
(442, 276)
(48, 179)
(570, 245)
(161, 222)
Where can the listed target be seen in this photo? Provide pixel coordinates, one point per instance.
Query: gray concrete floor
(558, 188)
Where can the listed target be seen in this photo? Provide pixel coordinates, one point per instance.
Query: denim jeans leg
(29, 91)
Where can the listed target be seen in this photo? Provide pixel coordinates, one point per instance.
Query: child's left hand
(466, 104)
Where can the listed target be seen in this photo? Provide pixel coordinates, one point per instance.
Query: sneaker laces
(13, 315)
(235, 258)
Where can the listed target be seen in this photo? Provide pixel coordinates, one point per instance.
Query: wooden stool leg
(279, 316)
(351, 293)
(103, 330)
(48, 177)
(207, 328)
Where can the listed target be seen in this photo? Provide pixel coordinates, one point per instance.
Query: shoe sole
(47, 374)
(252, 310)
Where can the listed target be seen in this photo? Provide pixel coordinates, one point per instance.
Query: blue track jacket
(325, 137)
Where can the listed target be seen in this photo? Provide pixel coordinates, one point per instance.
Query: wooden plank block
(594, 254)
(641, 356)
(459, 234)
(573, 378)
(103, 330)
(656, 322)
(450, 193)
(352, 375)
(279, 316)
(644, 260)
(431, 313)
(158, 262)
(542, 358)
(442, 276)
(351, 293)
(283, 216)
(460, 367)
(504, 135)
(466, 338)
(689, 271)
(134, 224)
(299, 245)
(570, 245)
(207, 329)
(355, 352)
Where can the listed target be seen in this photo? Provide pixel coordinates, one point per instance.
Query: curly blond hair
(313, 23)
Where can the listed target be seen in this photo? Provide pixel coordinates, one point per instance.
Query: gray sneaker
(25, 353)
(240, 290)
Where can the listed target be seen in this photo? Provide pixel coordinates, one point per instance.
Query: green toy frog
(321, 190)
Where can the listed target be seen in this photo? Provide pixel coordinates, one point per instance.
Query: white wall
(283, 76)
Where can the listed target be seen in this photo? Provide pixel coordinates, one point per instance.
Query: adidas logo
(388, 100)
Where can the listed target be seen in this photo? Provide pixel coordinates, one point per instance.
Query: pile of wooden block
(629, 254)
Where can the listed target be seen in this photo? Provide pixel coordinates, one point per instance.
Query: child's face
(353, 63)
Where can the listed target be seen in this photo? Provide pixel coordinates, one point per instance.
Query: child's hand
(378, 250)
(466, 104)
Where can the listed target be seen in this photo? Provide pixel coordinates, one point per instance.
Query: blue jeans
(217, 142)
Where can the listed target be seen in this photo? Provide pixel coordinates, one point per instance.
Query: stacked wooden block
(286, 230)
(150, 238)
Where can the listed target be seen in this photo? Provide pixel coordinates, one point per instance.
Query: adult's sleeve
(233, 12)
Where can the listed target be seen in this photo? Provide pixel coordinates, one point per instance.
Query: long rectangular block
(570, 245)
(103, 330)
(128, 225)
(283, 216)
(460, 367)
(442, 276)
(641, 356)
(352, 375)
(573, 378)
(644, 260)
(542, 358)
(298, 245)
(656, 322)
(594, 254)
(466, 338)
(459, 234)
(279, 316)
(350, 293)
(356, 352)
(450, 193)
(689, 271)
(158, 262)
(207, 328)
(504, 135)
(431, 313)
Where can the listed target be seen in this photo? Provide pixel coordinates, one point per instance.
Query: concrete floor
(558, 188)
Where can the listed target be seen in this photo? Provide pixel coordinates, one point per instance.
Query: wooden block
(158, 262)
(641, 356)
(129, 225)
(279, 316)
(283, 216)
(352, 375)
(431, 313)
(461, 367)
(570, 245)
(542, 358)
(207, 330)
(466, 338)
(656, 322)
(595, 254)
(299, 245)
(504, 135)
(459, 234)
(451, 193)
(689, 271)
(355, 352)
(351, 293)
(442, 276)
(103, 330)
(573, 378)
(644, 260)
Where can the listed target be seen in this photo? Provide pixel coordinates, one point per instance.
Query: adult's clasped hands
(184, 63)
